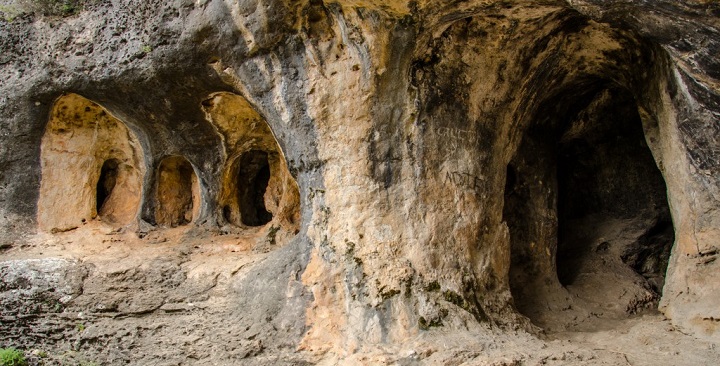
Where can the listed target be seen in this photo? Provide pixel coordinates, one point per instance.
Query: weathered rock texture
(83, 144)
(256, 184)
(177, 196)
(407, 167)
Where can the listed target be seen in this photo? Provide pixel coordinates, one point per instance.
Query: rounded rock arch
(584, 199)
(177, 195)
(85, 149)
(257, 189)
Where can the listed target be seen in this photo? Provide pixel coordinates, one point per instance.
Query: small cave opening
(586, 205)
(178, 192)
(83, 142)
(106, 184)
(253, 177)
(258, 195)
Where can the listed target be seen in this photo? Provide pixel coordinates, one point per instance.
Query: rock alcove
(465, 168)
(106, 183)
(587, 213)
(257, 188)
(92, 167)
(178, 192)
(253, 175)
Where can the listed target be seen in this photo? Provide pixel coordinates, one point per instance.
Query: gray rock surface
(426, 140)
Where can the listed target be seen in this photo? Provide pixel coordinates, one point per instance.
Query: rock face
(403, 166)
(82, 141)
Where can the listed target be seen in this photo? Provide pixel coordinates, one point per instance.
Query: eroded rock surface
(356, 180)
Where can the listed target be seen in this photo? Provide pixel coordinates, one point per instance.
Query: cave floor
(147, 328)
(644, 340)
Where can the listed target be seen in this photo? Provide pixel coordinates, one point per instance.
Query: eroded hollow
(106, 183)
(612, 197)
(252, 182)
(587, 210)
(257, 190)
(91, 164)
(178, 192)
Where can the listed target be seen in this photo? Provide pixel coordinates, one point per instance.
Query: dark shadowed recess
(252, 179)
(106, 183)
(175, 192)
(607, 171)
(575, 174)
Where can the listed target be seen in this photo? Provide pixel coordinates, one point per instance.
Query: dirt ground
(144, 319)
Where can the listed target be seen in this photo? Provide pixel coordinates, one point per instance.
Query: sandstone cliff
(321, 180)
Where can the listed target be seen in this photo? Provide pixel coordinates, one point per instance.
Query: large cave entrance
(587, 209)
(609, 187)
(178, 192)
(92, 167)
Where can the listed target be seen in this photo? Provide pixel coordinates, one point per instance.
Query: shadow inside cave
(586, 205)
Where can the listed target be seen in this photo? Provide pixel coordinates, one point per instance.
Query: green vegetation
(432, 286)
(10, 12)
(12, 357)
(272, 232)
(52, 7)
(453, 298)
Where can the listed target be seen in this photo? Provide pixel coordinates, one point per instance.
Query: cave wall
(177, 191)
(397, 121)
(80, 139)
(246, 134)
(679, 111)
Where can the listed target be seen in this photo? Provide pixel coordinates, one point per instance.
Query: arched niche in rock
(251, 183)
(177, 197)
(257, 188)
(91, 165)
(587, 209)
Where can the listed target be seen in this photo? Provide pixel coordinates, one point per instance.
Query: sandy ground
(642, 339)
